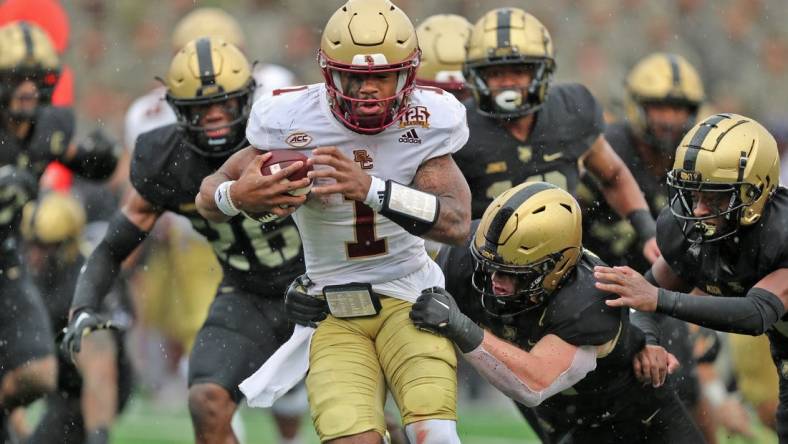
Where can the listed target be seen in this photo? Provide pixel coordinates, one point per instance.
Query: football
(282, 159)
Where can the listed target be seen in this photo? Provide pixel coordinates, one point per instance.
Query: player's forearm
(99, 272)
(753, 314)
(623, 194)
(97, 363)
(524, 377)
(205, 200)
(454, 222)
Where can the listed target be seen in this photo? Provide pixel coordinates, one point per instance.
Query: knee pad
(433, 431)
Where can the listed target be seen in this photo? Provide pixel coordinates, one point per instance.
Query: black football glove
(97, 155)
(84, 322)
(436, 311)
(302, 308)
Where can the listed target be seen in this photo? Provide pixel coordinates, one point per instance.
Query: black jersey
(577, 314)
(256, 257)
(604, 231)
(732, 266)
(53, 129)
(493, 161)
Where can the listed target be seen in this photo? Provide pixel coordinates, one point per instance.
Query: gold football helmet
(369, 37)
(442, 39)
(27, 53)
(509, 36)
(206, 72)
(54, 224)
(662, 79)
(533, 231)
(207, 22)
(727, 159)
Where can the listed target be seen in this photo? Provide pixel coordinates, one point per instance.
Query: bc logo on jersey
(363, 159)
(415, 116)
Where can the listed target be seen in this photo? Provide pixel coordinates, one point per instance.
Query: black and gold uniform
(609, 404)
(245, 324)
(25, 332)
(567, 124)
(52, 229)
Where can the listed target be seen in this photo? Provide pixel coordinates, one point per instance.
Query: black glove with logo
(302, 308)
(436, 311)
(84, 322)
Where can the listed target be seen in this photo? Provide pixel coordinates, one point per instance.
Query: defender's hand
(653, 364)
(436, 311)
(351, 181)
(634, 290)
(255, 193)
(303, 308)
(84, 322)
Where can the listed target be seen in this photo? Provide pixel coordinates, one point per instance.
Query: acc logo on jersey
(415, 116)
(298, 140)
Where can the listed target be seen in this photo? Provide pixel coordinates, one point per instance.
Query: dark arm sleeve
(752, 314)
(99, 272)
(648, 323)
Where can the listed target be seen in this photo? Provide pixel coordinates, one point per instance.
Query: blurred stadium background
(116, 48)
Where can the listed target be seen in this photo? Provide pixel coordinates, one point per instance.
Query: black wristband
(643, 223)
(409, 208)
(465, 333)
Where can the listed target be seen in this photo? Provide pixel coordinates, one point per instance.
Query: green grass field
(488, 423)
(145, 423)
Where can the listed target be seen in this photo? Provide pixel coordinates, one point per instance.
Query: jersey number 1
(366, 243)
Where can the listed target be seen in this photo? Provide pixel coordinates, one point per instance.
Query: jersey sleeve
(457, 265)
(256, 133)
(774, 236)
(588, 120)
(671, 242)
(448, 117)
(142, 171)
(596, 324)
(55, 129)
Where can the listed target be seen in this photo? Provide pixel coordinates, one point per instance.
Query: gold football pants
(352, 361)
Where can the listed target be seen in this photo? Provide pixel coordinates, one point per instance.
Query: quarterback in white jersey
(151, 111)
(384, 177)
(344, 240)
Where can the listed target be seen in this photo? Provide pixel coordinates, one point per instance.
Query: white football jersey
(345, 241)
(151, 111)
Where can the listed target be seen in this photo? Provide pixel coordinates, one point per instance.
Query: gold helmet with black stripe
(662, 79)
(207, 72)
(731, 164)
(207, 22)
(54, 225)
(442, 39)
(509, 37)
(534, 232)
(27, 53)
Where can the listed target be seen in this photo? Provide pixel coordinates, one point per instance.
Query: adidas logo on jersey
(410, 137)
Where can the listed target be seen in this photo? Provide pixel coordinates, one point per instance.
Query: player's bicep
(602, 161)
(665, 276)
(139, 211)
(776, 283)
(441, 176)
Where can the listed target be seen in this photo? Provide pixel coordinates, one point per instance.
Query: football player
(151, 111)
(663, 94)
(550, 342)
(384, 178)
(442, 40)
(210, 88)
(723, 232)
(85, 404)
(523, 129)
(28, 368)
(33, 133)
